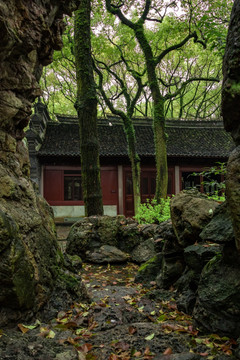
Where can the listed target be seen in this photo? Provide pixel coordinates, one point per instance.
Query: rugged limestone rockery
(231, 115)
(30, 261)
(200, 263)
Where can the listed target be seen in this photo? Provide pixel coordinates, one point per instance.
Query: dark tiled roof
(185, 138)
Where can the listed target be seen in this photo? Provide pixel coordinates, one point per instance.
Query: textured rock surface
(218, 304)
(149, 270)
(144, 252)
(197, 256)
(190, 212)
(220, 228)
(29, 255)
(231, 115)
(107, 254)
(233, 192)
(90, 234)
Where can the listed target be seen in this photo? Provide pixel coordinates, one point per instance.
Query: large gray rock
(89, 234)
(198, 255)
(144, 251)
(191, 211)
(149, 270)
(107, 254)
(171, 270)
(220, 228)
(217, 309)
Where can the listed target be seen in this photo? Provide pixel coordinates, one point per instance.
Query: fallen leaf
(168, 351)
(23, 328)
(137, 354)
(150, 337)
(132, 330)
(113, 357)
(85, 348)
(51, 334)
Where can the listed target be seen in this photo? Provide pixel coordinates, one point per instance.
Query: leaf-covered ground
(124, 321)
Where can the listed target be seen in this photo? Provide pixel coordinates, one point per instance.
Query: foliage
(151, 212)
(211, 184)
(112, 42)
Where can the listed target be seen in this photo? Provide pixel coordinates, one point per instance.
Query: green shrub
(151, 212)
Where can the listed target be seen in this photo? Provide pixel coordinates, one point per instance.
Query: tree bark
(158, 116)
(86, 105)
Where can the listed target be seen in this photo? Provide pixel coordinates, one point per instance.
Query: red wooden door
(53, 186)
(109, 182)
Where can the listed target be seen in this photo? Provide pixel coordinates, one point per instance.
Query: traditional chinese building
(55, 159)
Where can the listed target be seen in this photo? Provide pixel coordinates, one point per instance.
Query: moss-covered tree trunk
(86, 105)
(158, 115)
(135, 161)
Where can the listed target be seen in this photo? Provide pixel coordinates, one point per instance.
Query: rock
(148, 230)
(196, 256)
(72, 262)
(233, 192)
(191, 211)
(83, 237)
(144, 251)
(163, 231)
(68, 288)
(107, 254)
(220, 228)
(171, 270)
(30, 260)
(89, 234)
(186, 287)
(129, 237)
(149, 270)
(217, 308)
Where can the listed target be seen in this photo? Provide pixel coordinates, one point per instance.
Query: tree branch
(170, 96)
(177, 46)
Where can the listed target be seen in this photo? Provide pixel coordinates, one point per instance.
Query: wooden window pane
(72, 188)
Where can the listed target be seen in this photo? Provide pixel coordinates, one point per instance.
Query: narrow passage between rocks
(123, 321)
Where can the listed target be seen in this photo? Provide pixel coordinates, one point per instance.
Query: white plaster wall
(78, 211)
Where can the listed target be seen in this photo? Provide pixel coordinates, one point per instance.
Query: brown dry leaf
(23, 328)
(168, 351)
(85, 348)
(137, 353)
(113, 357)
(132, 330)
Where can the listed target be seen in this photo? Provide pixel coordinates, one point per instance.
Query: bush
(151, 212)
